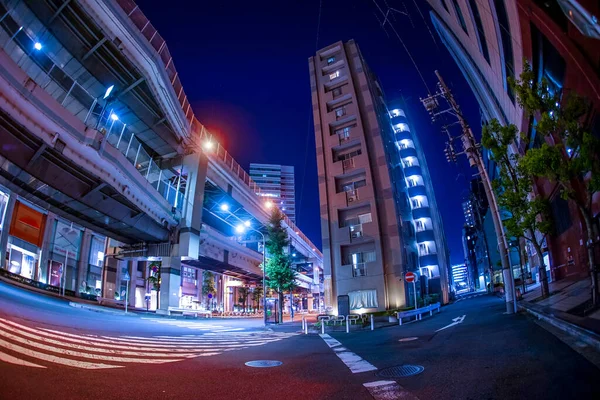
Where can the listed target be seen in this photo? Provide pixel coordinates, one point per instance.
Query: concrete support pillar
(132, 269)
(196, 166)
(12, 200)
(170, 276)
(84, 261)
(42, 269)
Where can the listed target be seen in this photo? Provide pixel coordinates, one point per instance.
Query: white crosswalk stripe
(21, 344)
(196, 325)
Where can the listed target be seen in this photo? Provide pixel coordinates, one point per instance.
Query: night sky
(244, 68)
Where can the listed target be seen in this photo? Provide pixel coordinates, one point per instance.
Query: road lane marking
(150, 350)
(55, 359)
(98, 349)
(388, 390)
(17, 361)
(73, 353)
(457, 320)
(352, 360)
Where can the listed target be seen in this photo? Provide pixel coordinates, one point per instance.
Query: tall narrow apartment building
(277, 183)
(379, 218)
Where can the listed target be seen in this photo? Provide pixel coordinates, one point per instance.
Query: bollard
(372, 323)
(347, 326)
(306, 328)
(322, 327)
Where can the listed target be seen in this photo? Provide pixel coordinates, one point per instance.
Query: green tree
(257, 295)
(280, 276)
(208, 285)
(530, 216)
(570, 154)
(243, 292)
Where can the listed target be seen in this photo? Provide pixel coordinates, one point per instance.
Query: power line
(308, 124)
(390, 12)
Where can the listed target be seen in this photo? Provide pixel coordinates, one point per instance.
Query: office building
(379, 217)
(467, 207)
(277, 183)
(490, 41)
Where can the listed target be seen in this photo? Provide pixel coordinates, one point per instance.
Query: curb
(584, 335)
(99, 309)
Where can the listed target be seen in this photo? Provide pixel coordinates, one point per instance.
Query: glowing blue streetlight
(38, 46)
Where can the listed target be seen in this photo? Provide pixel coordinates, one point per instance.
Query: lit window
(423, 249)
(330, 60)
(334, 75)
(340, 112)
(415, 203)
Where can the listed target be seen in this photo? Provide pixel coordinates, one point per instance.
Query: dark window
(459, 16)
(535, 140)
(506, 43)
(445, 5)
(480, 32)
(547, 62)
(595, 126)
(560, 215)
(553, 10)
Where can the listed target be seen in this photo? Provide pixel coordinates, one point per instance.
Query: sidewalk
(564, 308)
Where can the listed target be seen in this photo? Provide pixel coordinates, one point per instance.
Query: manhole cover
(263, 363)
(400, 371)
(408, 339)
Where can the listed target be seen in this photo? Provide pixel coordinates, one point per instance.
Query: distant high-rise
(469, 213)
(276, 182)
(379, 217)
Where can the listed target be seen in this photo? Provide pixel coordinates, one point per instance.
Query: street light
(208, 145)
(269, 204)
(224, 207)
(37, 46)
(241, 228)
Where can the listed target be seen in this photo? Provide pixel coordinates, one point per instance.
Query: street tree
(570, 153)
(208, 286)
(280, 276)
(530, 216)
(257, 295)
(243, 292)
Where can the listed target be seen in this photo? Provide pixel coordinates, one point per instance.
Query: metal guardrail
(417, 313)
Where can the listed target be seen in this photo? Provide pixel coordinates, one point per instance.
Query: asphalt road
(49, 350)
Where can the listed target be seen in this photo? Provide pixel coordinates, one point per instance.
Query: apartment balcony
(403, 135)
(413, 170)
(425, 236)
(408, 152)
(428, 259)
(421, 212)
(418, 190)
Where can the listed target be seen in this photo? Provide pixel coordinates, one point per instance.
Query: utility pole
(472, 151)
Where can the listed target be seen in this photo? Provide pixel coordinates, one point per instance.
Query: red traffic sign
(410, 277)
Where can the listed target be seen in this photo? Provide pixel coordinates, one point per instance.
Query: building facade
(490, 41)
(105, 172)
(379, 219)
(276, 182)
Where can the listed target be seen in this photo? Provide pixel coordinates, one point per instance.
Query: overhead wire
(386, 20)
(308, 123)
